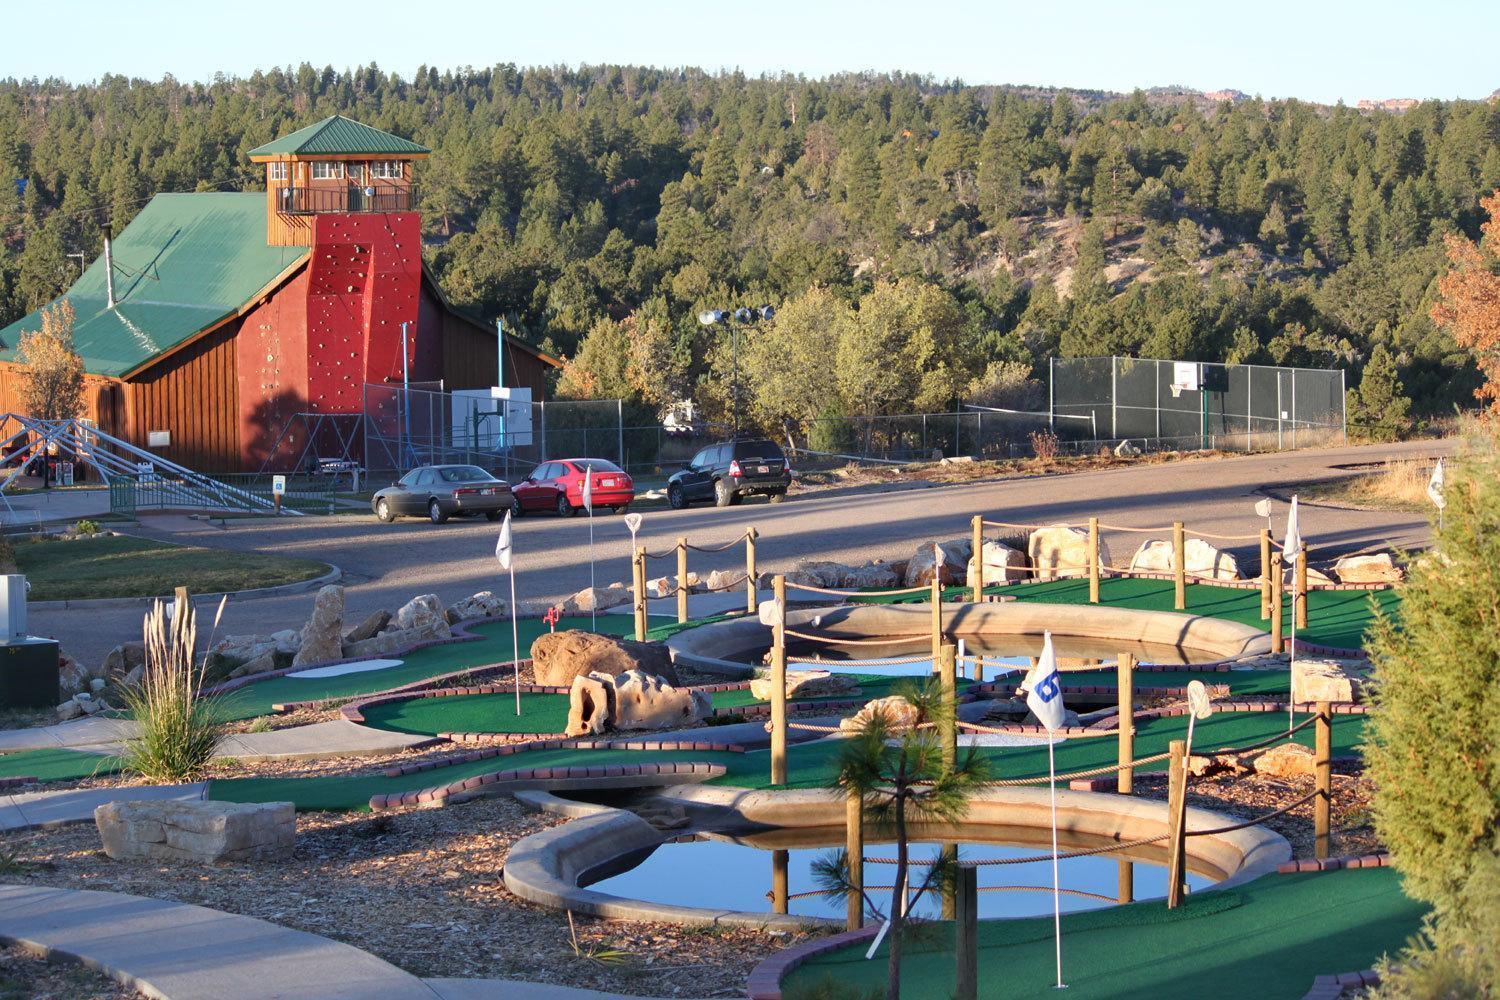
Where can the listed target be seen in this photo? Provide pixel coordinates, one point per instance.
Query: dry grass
(1398, 485)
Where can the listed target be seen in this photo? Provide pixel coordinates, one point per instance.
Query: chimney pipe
(109, 263)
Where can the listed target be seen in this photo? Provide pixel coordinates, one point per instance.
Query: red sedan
(559, 486)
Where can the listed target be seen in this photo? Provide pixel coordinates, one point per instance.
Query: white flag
(502, 544)
(1293, 543)
(1435, 487)
(588, 489)
(1044, 688)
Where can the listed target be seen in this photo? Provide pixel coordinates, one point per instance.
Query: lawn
(126, 566)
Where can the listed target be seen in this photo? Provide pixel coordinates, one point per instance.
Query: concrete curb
(334, 575)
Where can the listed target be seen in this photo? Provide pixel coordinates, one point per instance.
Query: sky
(1318, 50)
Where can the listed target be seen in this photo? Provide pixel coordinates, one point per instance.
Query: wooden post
(778, 686)
(640, 593)
(854, 847)
(1176, 820)
(977, 583)
(779, 881)
(1179, 566)
(1299, 599)
(1125, 680)
(936, 599)
(1277, 645)
(1093, 560)
(1265, 573)
(948, 682)
(682, 580)
(966, 936)
(752, 571)
(1126, 879)
(1323, 776)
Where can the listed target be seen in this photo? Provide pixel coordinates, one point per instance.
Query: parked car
(558, 486)
(726, 472)
(443, 491)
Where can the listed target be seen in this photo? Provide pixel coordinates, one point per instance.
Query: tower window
(327, 170)
(388, 169)
(276, 170)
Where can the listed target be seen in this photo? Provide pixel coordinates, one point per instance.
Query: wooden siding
(193, 394)
(469, 360)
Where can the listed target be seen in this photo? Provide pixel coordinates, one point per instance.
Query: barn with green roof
(215, 320)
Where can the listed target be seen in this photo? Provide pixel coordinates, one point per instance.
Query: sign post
(278, 489)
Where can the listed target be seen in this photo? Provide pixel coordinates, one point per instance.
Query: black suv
(725, 472)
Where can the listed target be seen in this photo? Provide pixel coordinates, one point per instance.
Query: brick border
(1379, 860)
(1334, 986)
(765, 979)
(558, 743)
(459, 791)
(16, 782)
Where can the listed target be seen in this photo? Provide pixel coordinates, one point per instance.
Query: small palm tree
(902, 775)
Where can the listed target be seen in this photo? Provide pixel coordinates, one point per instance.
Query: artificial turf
(56, 765)
(812, 765)
(1268, 938)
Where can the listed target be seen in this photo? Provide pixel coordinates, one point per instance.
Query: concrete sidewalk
(337, 738)
(184, 952)
(20, 812)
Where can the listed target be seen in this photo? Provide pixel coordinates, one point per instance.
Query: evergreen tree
(1378, 406)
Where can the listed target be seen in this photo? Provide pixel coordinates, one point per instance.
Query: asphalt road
(386, 565)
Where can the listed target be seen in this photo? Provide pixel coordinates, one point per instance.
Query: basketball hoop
(1177, 390)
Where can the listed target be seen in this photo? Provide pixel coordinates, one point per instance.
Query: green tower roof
(339, 136)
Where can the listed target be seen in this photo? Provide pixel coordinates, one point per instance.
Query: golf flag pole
(1435, 492)
(504, 553)
(588, 505)
(1044, 698)
(1289, 549)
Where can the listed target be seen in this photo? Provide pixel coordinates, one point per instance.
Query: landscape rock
(1377, 568)
(632, 701)
(390, 641)
(123, 659)
(1200, 558)
(924, 564)
(323, 635)
(69, 709)
(205, 832)
(484, 604)
(1058, 551)
(98, 684)
(1315, 680)
(824, 573)
(424, 613)
(806, 684)
(259, 665)
(1002, 564)
(558, 657)
(287, 641)
(1127, 450)
(721, 580)
(896, 710)
(370, 627)
(1288, 760)
(591, 599)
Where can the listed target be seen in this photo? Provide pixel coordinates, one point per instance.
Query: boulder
(591, 599)
(1127, 450)
(558, 657)
(807, 684)
(1287, 760)
(323, 635)
(1315, 680)
(662, 586)
(203, 832)
(1002, 564)
(924, 563)
(123, 659)
(73, 677)
(481, 605)
(1378, 568)
(1200, 558)
(1060, 551)
(896, 710)
(287, 641)
(424, 613)
(260, 665)
(390, 641)
(632, 701)
(69, 709)
(721, 580)
(370, 627)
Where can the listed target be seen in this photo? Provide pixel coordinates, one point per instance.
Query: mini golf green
(1269, 938)
(1241, 682)
(812, 765)
(56, 765)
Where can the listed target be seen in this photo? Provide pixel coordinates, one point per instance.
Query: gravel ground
(23, 976)
(422, 890)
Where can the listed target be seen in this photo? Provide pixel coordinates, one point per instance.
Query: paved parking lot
(385, 565)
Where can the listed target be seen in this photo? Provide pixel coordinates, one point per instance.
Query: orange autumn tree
(1470, 298)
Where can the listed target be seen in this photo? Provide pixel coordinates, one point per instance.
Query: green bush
(1435, 723)
(833, 432)
(86, 527)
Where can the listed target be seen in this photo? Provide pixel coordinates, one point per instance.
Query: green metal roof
(338, 135)
(183, 264)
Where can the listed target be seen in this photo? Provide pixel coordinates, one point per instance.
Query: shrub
(1044, 446)
(86, 527)
(1435, 723)
(179, 728)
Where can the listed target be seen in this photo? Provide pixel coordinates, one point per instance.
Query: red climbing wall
(271, 369)
(364, 280)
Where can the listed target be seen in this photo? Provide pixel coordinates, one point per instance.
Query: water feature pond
(728, 874)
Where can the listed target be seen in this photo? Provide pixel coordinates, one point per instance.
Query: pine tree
(1378, 406)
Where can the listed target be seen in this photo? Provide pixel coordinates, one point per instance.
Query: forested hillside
(923, 241)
